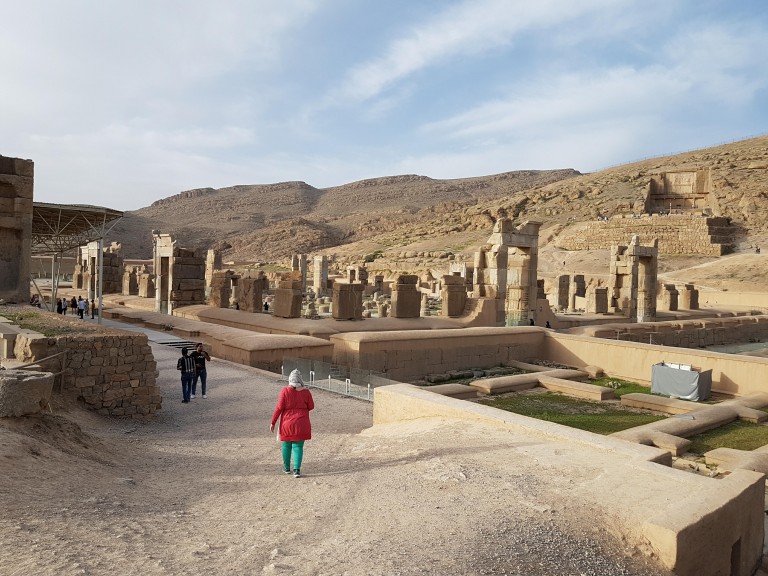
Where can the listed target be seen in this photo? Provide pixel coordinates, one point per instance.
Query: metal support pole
(100, 259)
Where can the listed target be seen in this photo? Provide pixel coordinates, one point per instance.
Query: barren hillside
(420, 218)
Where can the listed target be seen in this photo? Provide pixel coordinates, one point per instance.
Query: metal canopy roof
(57, 228)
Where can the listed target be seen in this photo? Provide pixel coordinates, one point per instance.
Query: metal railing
(339, 379)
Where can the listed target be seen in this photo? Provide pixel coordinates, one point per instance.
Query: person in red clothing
(293, 408)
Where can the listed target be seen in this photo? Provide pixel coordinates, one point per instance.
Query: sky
(123, 103)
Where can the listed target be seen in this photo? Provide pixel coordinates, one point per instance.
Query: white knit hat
(295, 379)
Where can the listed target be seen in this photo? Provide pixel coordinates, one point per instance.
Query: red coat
(293, 408)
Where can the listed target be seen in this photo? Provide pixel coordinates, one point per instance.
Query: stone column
(320, 273)
(406, 297)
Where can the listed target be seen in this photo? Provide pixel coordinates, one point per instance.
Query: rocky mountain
(419, 218)
(270, 222)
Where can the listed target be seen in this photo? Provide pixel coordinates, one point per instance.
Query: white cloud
(465, 28)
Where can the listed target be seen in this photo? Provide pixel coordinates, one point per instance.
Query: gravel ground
(199, 490)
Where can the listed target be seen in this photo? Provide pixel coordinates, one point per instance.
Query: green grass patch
(739, 435)
(35, 322)
(594, 417)
(621, 387)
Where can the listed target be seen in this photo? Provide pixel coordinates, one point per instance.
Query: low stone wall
(267, 352)
(732, 374)
(699, 333)
(113, 372)
(676, 234)
(410, 355)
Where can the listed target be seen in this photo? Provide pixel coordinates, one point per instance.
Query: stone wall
(699, 333)
(112, 372)
(16, 186)
(677, 234)
(410, 355)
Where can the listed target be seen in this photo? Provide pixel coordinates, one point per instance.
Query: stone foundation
(677, 234)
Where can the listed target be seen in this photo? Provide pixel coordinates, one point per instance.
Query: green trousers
(298, 453)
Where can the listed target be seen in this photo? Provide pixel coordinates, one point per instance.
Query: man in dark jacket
(199, 356)
(186, 365)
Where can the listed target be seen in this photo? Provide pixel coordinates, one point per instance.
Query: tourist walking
(186, 365)
(73, 305)
(64, 306)
(58, 306)
(93, 308)
(292, 409)
(81, 307)
(199, 356)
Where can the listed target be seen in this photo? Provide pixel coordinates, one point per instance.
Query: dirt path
(199, 490)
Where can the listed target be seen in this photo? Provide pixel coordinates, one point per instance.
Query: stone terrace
(677, 234)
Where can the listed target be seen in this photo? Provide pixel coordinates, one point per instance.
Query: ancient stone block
(406, 298)
(347, 301)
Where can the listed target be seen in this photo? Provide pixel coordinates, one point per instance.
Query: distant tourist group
(193, 368)
(79, 306)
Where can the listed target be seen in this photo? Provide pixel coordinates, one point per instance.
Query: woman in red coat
(293, 408)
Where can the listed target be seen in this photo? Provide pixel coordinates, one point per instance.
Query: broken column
(347, 301)
(130, 282)
(406, 298)
(669, 297)
(320, 275)
(251, 292)
(288, 296)
(688, 297)
(454, 296)
(221, 288)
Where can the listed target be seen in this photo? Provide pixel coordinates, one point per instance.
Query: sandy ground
(199, 490)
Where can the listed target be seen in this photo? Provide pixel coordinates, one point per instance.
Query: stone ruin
(179, 275)
(454, 295)
(220, 295)
(505, 270)
(146, 281)
(131, 281)
(347, 303)
(406, 297)
(320, 276)
(633, 280)
(689, 190)
(568, 289)
(86, 274)
(212, 263)
(288, 296)
(251, 292)
(16, 187)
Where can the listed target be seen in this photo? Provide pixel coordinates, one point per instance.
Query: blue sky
(120, 104)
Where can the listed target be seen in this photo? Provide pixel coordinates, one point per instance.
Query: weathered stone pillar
(406, 298)
(320, 275)
(597, 300)
(562, 296)
(669, 297)
(347, 301)
(130, 282)
(288, 297)
(688, 297)
(454, 296)
(221, 292)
